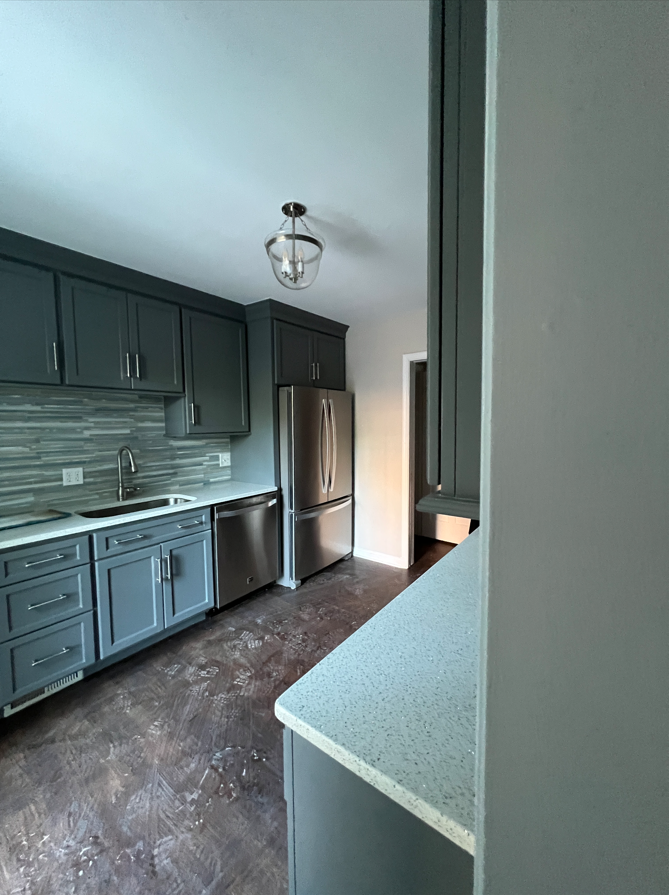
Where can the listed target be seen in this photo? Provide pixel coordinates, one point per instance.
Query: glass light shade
(295, 258)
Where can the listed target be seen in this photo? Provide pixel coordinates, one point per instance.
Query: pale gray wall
(574, 718)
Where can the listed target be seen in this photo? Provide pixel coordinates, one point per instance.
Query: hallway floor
(162, 775)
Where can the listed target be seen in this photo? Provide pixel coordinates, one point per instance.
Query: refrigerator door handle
(325, 467)
(333, 435)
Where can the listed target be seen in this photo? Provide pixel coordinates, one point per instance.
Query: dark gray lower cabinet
(130, 599)
(29, 345)
(347, 838)
(142, 592)
(188, 577)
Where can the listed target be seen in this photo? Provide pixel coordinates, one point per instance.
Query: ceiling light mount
(294, 250)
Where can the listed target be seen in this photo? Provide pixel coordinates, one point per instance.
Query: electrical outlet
(73, 476)
(224, 459)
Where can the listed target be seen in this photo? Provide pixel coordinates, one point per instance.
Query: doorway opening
(422, 529)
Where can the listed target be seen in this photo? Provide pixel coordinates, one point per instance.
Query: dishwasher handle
(226, 514)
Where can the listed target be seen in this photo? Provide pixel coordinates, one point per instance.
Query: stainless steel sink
(135, 506)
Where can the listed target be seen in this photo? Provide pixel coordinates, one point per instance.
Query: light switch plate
(73, 476)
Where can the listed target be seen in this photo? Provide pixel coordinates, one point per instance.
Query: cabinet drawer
(35, 660)
(31, 605)
(113, 541)
(41, 559)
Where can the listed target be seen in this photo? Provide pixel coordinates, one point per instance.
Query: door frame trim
(409, 362)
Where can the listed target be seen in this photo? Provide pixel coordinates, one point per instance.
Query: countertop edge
(454, 831)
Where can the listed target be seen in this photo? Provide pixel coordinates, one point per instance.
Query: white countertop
(396, 702)
(204, 495)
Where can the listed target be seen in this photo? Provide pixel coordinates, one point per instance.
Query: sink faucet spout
(122, 490)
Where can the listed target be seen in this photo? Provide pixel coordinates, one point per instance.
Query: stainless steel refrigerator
(316, 453)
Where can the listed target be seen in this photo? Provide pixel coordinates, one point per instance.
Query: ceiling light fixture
(294, 250)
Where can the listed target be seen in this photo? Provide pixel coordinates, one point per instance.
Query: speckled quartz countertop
(204, 495)
(396, 702)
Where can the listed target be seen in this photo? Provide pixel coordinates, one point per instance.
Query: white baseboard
(386, 558)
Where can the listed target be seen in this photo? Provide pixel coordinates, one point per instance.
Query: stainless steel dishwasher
(247, 548)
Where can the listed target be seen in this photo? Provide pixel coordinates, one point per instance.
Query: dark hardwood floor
(162, 775)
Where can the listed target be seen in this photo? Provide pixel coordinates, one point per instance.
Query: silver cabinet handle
(127, 540)
(168, 567)
(318, 371)
(192, 414)
(49, 602)
(127, 366)
(65, 649)
(313, 371)
(137, 367)
(55, 356)
(38, 562)
(333, 435)
(159, 579)
(191, 524)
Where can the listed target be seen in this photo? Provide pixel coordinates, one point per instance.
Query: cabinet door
(216, 377)
(293, 354)
(155, 345)
(188, 577)
(28, 330)
(95, 333)
(329, 354)
(130, 599)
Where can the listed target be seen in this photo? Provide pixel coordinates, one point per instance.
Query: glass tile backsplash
(43, 431)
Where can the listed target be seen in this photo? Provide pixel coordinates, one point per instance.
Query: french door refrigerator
(316, 455)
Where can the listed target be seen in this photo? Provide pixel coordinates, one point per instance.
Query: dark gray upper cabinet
(455, 256)
(329, 355)
(155, 345)
(306, 357)
(293, 354)
(95, 335)
(29, 346)
(216, 378)
(188, 586)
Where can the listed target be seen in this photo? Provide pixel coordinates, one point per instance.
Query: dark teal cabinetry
(95, 335)
(143, 591)
(116, 340)
(216, 374)
(29, 342)
(308, 357)
(344, 836)
(455, 256)
(46, 616)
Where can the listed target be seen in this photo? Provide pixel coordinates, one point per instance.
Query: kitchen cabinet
(95, 335)
(116, 340)
(455, 256)
(307, 357)
(144, 590)
(344, 835)
(155, 345)
(188, 577)
(29, 344)
(216, 399)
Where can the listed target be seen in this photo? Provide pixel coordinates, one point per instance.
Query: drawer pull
(191, 524)
(49, 602)
(126, 540)
(65, 649)
(38, 562)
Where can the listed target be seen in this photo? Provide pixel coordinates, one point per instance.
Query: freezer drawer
(321, 536)
(247, 547)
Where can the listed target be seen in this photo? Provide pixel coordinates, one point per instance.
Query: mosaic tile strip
(45, 430)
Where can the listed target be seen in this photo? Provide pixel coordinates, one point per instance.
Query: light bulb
(285, 266)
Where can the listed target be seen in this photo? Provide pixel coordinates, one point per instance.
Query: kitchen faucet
(123, 491)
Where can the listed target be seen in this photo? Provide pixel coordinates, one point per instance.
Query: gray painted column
(575, 504)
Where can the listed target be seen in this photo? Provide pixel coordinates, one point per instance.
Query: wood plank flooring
(162, 775)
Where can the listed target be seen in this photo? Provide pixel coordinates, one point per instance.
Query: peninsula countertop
(396, 702)
(203, 495)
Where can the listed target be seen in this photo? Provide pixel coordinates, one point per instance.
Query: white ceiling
(166, 136)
